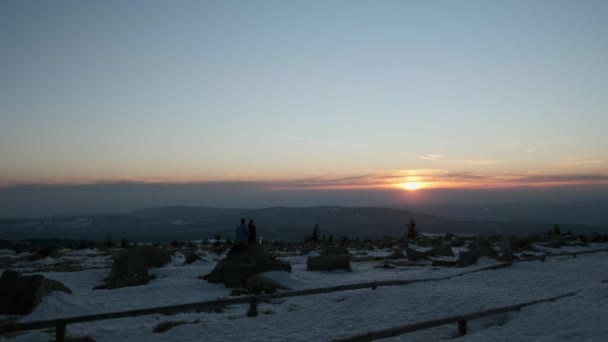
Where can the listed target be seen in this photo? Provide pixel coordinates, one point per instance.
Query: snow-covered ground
(324, 317)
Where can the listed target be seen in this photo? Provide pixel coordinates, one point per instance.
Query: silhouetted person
(241, 236)
(252, 232)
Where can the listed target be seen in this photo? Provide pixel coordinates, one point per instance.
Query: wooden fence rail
(60, 324)
(461, 320)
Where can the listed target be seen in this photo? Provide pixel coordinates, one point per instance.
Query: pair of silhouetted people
(246, 234)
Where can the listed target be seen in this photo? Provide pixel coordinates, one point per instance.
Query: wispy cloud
(480, 162)
(296, 140)
(432, 157)
(432, 178)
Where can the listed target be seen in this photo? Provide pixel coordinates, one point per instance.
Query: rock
(481, 248)
(335, 251)
(19, 295)
(329, 262)
(441, 250)
(130, 268)
(129, 265)
(192, 257)
(237, 267)
(414, 255)
(260, 283)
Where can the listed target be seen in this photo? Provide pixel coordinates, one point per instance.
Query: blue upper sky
(441, 92)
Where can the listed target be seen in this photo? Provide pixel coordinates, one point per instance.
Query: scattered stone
(19, 295)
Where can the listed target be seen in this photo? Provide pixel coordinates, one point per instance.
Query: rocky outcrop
(332, 259)
(19, 295)
(239, 266)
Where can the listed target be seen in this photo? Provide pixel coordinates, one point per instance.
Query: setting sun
(411, 185)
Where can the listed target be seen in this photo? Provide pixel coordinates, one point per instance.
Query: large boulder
(192, 257)
(329, 262)
(260, 283)
(239, 266)
(19, 295)
(481, 248)
(130, 268)
(128, 265)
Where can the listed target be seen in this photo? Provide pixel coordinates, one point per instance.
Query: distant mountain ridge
(287, 223)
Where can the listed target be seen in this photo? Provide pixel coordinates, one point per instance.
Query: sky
(313, 95)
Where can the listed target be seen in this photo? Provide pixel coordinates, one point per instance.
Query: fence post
(60, 332)
(574, 255)
(253, 308)
(462, 327)
(542, 258)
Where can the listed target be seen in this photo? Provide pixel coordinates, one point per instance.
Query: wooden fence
(461, 320)
(60, 324)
